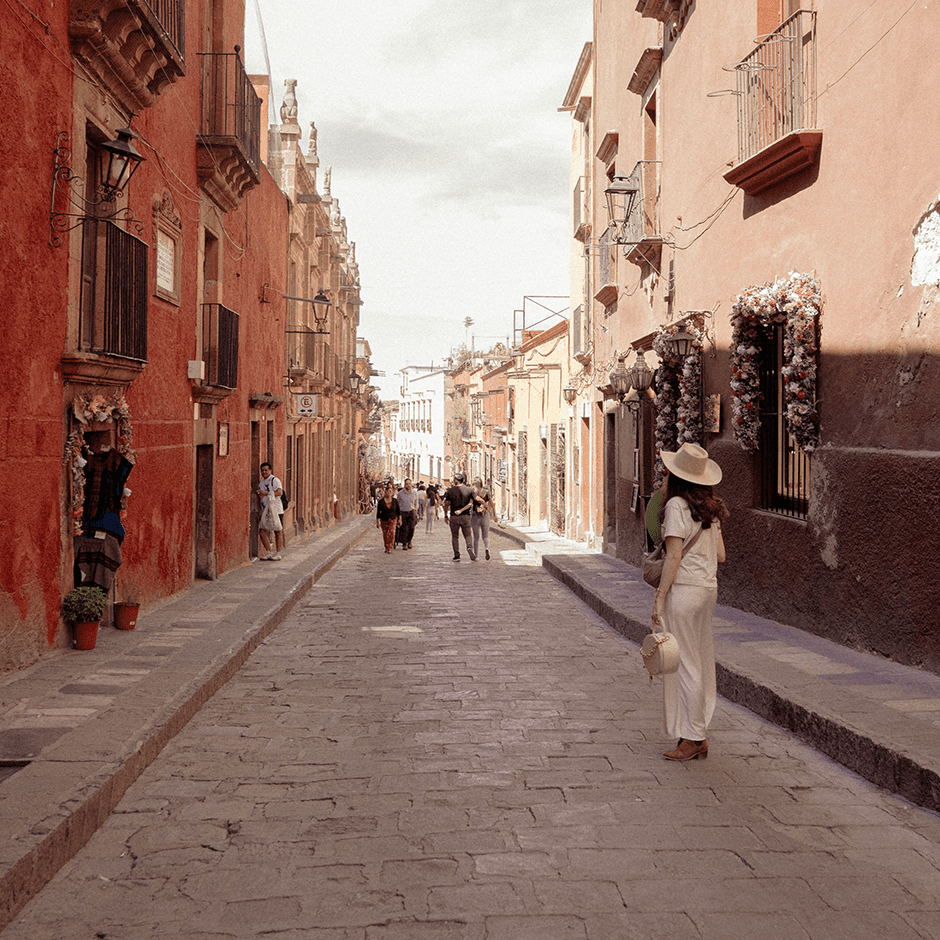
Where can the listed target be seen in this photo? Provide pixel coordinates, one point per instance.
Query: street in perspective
(426, 749)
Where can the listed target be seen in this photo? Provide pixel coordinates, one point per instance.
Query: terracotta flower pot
(125, 615)
(86, 635)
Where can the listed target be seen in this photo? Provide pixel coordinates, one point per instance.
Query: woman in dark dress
(387, 517)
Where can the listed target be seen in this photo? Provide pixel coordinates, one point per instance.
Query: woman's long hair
(704, 505)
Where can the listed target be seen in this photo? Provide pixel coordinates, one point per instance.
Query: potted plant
(126, 611)
(84, 607)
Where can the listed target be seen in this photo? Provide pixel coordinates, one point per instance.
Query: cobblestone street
(440, 751)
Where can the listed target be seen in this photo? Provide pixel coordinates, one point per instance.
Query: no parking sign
(306, 404)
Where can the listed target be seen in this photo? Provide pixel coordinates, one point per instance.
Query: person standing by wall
(457, 503)
(388, 517)
(408, 503)
(480, 516)
(269, 488)
(687, 593)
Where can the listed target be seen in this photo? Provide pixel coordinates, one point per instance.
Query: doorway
(206, 565)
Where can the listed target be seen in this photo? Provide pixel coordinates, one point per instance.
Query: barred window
(785, 466)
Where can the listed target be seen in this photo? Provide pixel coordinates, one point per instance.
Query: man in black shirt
(457, 502)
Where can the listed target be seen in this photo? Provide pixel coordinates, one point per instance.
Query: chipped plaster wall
(925, 268)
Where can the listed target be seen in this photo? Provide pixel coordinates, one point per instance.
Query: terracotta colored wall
(32, 276)
(39, 101)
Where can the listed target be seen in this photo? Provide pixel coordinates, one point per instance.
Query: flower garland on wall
(678, 391)
(794, 301)
(89, 409)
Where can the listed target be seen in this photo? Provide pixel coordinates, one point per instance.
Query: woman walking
(687, 593)
(430, 512)
(387, 518)
(480, 517)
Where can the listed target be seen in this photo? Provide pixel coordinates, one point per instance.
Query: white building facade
(418, 445)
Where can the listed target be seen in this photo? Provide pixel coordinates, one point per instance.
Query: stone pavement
(433, 751)
(78, 729)
(874, 716)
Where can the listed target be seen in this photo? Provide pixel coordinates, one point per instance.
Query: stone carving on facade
(327, 177)
(312, 156)
(164, 208)
(289, 104)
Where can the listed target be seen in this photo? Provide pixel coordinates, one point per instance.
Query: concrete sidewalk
(78, 728)
(874, 716)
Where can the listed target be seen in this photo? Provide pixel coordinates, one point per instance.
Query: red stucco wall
(34, 107)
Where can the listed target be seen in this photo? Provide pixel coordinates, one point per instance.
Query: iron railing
(171, 14)
(114, 292)
(230, 105)
(302, 348)
(220, 345)
(776, 85)
(784, 464)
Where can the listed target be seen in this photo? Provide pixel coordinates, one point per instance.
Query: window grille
(220, 345)
(114, 291)
(785, 467)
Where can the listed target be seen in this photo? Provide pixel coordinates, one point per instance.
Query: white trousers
(689, 693)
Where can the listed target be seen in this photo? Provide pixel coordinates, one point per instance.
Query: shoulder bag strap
(688, 545)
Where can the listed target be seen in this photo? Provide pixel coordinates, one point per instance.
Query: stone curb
(74, 820)
(886, 751)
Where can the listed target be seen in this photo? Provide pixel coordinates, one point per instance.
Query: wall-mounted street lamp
(354, 379)
(640, 374)
(321, 310)
(639, 377)
(621, 197)
(121, 164)
(620, 379)
(118, 163)
(681, 344)
(570, 393)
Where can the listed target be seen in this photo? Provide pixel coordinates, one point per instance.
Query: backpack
(284, 498)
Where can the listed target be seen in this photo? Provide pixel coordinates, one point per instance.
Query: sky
(450, 157)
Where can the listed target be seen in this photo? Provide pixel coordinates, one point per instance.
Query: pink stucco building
(773, 185)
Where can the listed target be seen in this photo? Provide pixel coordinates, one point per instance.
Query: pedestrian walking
(480, 516)
(422, 500)
(457, 503)
(388, 517)
(687, 593)
(408, 503)
(430, 513)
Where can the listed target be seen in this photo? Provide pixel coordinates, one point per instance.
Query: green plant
(84, 604)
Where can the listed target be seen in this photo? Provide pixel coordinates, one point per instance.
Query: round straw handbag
(660, 652)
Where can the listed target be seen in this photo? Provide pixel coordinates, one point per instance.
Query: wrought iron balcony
(776, 94)
(302, 350)
(220, 345)
(135, 47)
(229, 154)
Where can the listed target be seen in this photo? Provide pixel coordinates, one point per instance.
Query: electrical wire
(869, 49)
(49, 32)
(714, 217)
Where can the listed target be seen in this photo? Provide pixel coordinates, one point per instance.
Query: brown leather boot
(688, 750)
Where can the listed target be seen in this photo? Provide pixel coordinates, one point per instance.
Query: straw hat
(692, 463)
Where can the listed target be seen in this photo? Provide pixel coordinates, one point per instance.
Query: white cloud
(450, 159)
